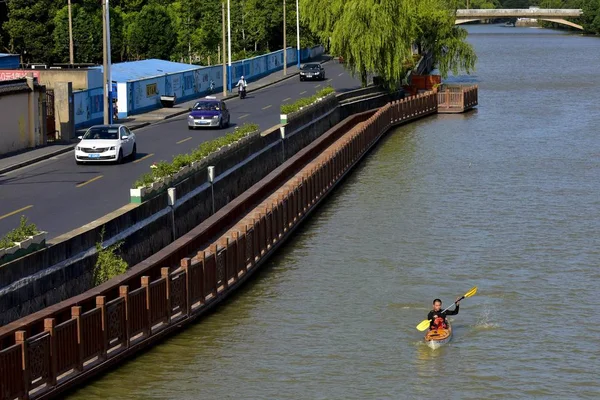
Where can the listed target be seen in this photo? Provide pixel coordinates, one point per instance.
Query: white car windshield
(207, 106)
(102, 133)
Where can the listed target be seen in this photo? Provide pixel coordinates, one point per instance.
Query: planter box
(12, 250)
(25, 243)
(27, 246)
(39, 238)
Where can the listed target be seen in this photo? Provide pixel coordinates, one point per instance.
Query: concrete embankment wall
(64, 269)
(83, 336)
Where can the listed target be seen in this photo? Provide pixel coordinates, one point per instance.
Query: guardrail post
(124, 293)
(21, 338)
(49, 325)
(185, 265)
(146, 285)
(76, 314)
(101, 304)
(164, 273)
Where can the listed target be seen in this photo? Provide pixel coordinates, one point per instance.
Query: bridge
(545, 14)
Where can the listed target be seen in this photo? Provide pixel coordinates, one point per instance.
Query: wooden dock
(455, 99)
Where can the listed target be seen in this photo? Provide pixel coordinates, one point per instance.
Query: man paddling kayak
(437, 317)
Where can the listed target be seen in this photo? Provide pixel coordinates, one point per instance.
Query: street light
(298, 31)
(224, 56)
(108, 115)
(71, 55)
(229, 44)
(284, 43)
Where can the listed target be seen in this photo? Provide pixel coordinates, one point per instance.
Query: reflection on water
(505, 198)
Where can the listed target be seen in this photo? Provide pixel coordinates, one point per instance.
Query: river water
(506, 198)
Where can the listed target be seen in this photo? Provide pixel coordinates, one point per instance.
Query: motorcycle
(242, 92)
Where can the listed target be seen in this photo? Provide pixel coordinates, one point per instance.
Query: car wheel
(191, 128)
(228, 122)
(221, 123)
(78, 162)
(133, 152)
(301, 79)
(120, 157)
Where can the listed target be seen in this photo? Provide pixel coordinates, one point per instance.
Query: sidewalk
(134, 122)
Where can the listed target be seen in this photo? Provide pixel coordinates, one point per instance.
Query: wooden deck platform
(456, 99)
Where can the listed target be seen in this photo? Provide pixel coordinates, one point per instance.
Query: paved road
(58, 195)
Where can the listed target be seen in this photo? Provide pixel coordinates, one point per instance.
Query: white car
(106, 143)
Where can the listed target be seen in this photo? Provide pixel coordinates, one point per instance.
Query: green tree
(151, 33)
(29, 25)
(591, 16)
(87, 33)
(376, 36)
(437, 33)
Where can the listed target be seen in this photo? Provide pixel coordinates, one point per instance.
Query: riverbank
(136, 318)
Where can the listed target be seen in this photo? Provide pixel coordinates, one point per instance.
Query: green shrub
(305, 101)
(20, 233)
(108, 265)
(181, 160)
(145, 180)
(163, 169)
(6, 243)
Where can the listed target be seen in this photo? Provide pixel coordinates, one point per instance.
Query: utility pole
(71, 52)
(224, 58)
(229, 43)
(284, 43)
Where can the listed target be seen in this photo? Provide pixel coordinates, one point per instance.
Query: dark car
(312, 71)
(209, 112)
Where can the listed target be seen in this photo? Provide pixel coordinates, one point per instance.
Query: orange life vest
(439, 323)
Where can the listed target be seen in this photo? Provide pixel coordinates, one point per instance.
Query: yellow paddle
(425, 323)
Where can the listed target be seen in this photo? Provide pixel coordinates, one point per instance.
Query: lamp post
(106, 63)
(224, 57)
(284, 43)
(71, 52)
(229, 44)
(298, 31)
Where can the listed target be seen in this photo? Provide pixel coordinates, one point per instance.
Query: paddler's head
(437, 305)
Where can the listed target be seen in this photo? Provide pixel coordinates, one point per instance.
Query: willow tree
(376, 36)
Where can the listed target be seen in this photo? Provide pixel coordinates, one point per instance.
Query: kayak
(437, 337)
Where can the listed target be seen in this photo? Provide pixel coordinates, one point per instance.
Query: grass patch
(289, 108)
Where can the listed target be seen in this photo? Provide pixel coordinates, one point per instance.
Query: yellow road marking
(341, 74)
(303, 92)
(143, 158)
(286, 99)
(243, 116)
(184, 140)
(317, 86)
(15, 212)
(90, 181)
(269, 106)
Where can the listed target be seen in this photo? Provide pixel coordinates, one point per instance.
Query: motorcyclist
(242, 84)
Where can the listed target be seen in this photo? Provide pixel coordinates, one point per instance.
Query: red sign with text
(10, 74)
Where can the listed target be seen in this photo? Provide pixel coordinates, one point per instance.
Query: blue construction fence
(139, 96)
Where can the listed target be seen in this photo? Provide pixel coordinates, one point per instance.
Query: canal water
(506, 198)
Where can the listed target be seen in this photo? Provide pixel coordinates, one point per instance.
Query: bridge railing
(506, 12)
(457, 97)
